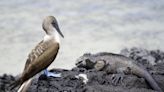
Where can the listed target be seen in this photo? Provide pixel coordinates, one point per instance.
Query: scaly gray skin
(115, 63)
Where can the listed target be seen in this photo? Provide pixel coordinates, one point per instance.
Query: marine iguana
(115, 63)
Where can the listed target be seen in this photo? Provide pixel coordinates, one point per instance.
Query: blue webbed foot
(50, 74)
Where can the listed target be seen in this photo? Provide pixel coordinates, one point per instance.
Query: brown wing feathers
(39, 58)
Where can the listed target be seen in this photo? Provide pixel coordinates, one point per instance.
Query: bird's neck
(52, 35)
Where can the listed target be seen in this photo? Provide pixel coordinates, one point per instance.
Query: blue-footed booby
(43, 54)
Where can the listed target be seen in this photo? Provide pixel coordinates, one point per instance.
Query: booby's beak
(58, 29)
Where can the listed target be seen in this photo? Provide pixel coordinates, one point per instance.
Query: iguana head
(86, 61)
(90, 61)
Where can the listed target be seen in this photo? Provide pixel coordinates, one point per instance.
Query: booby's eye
(53, 23)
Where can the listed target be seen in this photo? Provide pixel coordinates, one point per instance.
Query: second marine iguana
(115, 63)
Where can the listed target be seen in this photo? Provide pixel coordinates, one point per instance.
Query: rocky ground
(98, 81)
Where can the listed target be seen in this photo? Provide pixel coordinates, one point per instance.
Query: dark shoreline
(99, 81)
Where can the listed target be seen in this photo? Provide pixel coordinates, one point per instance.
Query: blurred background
(88, 26)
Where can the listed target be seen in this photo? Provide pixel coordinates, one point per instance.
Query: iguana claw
(117, 78)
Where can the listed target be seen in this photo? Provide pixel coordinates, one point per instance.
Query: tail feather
(25, 86)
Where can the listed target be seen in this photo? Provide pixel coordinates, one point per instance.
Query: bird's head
(49, 23)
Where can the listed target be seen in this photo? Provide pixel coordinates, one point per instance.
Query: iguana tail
(141, 72)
